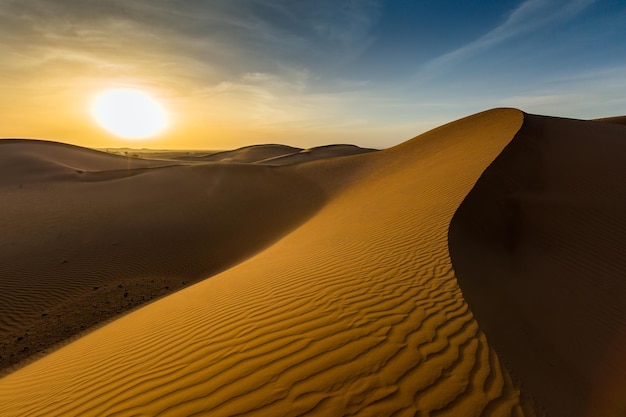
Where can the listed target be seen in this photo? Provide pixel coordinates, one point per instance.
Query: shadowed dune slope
(356, 311)
(539, 250)
(77, 248)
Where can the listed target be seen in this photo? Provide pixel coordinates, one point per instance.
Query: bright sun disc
(129, 113)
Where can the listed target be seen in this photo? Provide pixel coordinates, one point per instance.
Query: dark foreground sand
(331, 286)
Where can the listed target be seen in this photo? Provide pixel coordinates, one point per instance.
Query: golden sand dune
(547, 220)
(355, 311)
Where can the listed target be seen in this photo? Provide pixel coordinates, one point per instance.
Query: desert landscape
(474, 270)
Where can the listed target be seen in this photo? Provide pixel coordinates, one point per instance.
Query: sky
(305, 73)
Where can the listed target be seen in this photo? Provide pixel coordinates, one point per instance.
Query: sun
(129, 113)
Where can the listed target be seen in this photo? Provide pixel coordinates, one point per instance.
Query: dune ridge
(546, 219)
(354, 311)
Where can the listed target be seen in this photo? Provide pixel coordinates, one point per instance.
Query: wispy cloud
(528, 16)
(186, 41)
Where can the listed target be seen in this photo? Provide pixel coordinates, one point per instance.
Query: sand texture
(548, 222)
(320, 286)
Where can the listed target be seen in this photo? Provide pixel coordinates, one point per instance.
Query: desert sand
(320, 286)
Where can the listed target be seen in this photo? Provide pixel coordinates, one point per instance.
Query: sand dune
(355, 310)
(88, 235)
(33, 161)
(251, 154)
(256, 154)
(311, 154)
(547, 221)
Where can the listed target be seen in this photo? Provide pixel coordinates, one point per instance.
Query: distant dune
(323, 284)
(255, 154)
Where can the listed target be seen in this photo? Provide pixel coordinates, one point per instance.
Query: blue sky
(306, 73)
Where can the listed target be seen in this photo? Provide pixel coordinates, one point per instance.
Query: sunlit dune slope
(356, 311)
(539, 249)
